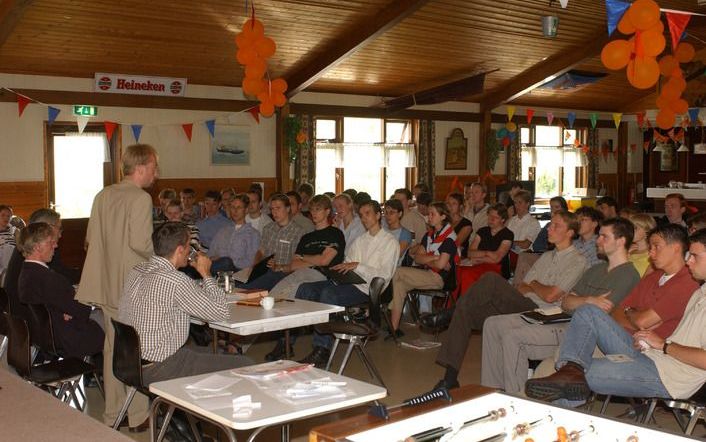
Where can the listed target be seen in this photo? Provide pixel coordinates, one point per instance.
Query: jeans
(591, 327)
(326, 292)
(265, 282)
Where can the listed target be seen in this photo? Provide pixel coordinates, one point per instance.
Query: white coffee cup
(267, 302)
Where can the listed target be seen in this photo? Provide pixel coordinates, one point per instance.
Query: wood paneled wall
(201, 185)
(25, 197)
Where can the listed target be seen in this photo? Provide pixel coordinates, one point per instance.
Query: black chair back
(18, 351)
(450, 281)
(377, 285)
(127, 358)
(4, 308)
(41, 329)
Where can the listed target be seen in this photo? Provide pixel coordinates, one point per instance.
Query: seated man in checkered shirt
(158, 301)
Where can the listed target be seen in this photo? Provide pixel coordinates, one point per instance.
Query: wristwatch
(666, 344)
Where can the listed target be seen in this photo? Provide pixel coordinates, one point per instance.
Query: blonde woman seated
(640, 250)
(435, 254)
(489, 250)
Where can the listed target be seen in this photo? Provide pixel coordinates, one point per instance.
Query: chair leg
(165, 426)
(606, 401)
(123, 410)
(194, 429)
(3, 346)
(650, 411)
(695, 415)
(98, 383)
(374, 373)
(332, 354)
(412, 301)
(347, 356)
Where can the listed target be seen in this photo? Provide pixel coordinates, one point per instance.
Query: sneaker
(569, 382)
(278, 352)
(319, 357)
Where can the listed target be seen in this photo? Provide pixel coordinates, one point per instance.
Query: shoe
(144, 426)
(318, 357)
(569, 382)
(394, 334)
(447, 385)
(278, 352)
(437, 320)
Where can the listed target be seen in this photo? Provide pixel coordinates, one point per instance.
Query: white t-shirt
(258, 223)
(525, 228)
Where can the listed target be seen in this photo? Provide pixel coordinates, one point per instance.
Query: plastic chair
(445, 293)
(694, 406)
(358, 334)
(56, 376)
(127, 364)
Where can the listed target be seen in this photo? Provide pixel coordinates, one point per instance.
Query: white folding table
(274, 411)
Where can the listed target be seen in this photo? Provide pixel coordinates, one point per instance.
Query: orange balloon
(679, 106)
(246, 55)
(645, 72)
(265, 47)
(265, 96)
(267, 109)
(665, 119)
(685, 52)
(643, 14)
(279, 85)
(625, 26)
(243, 40)
(653, 43)
(670, 92)
(677, 83)
(256, 68)
(662, 103)
(658, 27)
(677, 72)
(510, 126)
(253, 86)
(616, 54)
(667, 64)
(254, 28)
(278, 99)
(301, 137)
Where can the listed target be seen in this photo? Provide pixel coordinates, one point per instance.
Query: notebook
(250, 274)
(341, 278)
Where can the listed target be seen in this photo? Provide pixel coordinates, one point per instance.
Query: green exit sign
(85, 111)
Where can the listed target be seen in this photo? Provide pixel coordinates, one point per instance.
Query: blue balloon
(512, 135)
(502, 133)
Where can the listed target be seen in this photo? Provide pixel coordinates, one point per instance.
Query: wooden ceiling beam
(545, 71)
(11, 11)
(350, 40)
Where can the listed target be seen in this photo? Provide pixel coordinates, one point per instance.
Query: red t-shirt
(668, 301)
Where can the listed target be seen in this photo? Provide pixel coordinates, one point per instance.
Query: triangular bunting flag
(187, 130)
(594, 120)
(255, 112)
(693, 114)
(640, 119)
(677, 23)
(550, 117)
(136, 131)
(571, 117)
(616, 118)
(109, 129)
(530, 114)
(510, 112)
(22, 103)
(82, 121)
(614, 11)
(646, 146)
(52, 113)
(211, 125)
(564, 3)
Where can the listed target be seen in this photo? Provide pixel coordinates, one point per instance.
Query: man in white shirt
(371, 255)
(476, 207)
(412, 220)
(523, 225)
(255, 217)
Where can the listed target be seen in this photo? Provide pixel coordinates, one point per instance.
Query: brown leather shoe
(569, 382)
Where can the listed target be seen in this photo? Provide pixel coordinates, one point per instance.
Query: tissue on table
(211, 386)
(243, 406)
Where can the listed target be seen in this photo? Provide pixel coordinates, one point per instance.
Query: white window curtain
(333, 151)
(399, 155)
(106, 146)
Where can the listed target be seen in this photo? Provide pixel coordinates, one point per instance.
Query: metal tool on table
(383, 412)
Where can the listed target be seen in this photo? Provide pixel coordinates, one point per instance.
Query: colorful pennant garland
(530, 114)
(615, 10)
(211, 126)
(188, 127)
(109, 129)
(136, 131)
(22, 103)
(52, 113)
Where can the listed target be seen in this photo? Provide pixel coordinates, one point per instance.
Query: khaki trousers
(116, 391)
(406, 279)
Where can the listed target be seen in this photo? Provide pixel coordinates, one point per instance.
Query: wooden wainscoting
(202, 185)
(24, 196)
(442, 184)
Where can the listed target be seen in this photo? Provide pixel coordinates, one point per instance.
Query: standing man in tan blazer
(119, 237)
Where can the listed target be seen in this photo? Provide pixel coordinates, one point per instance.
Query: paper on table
(215, 382)
(549, 310)
(270, 370)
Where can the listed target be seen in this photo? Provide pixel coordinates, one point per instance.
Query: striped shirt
(158, 301)
(7, 236)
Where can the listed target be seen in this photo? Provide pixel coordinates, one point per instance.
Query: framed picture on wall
(667, 158)
(230, 145)
(456, 151)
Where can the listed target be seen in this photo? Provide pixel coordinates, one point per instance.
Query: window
(326, 130)
(372, 149)
(551, 160)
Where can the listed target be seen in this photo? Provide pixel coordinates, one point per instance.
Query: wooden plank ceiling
(426, 44)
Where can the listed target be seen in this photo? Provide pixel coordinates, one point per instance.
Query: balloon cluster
(669, 101)
(639, 53)
(254, 48)
(507, 134)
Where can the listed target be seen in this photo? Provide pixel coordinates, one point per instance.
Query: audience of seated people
(421, 205)
(175, 213)
(540, 243)
(524, 226)
(227, 195)
(461, 225)
(435, 256)
(237, 242)
(475, 206)
(666, 364)
(347, 220)
(508, 197)
(412, 220)
(585, 242)
(696, 222)
(190, 209)
(295, 202)
(509, 342)
(373, 254)
(392, 222)
(164, 197)
(489, 250)
(213, 220)
(418, 189)
(255, 217)
(640, 249)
